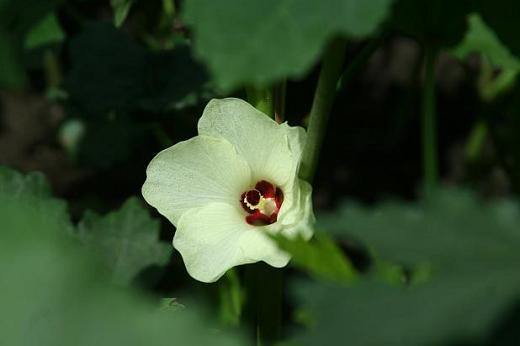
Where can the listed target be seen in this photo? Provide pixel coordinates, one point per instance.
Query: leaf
(121, 9)
(320, 257)
(33, 187)
(258, 42)
(112, 73)
(481, 39)
(471, 250)
(45, 32)
(53, 292)
(127, 240)
(443, 312)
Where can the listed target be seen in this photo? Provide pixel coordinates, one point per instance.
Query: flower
(230, 187)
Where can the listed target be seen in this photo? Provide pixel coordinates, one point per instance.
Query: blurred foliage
(481, 39)
(260, 42)
(102, 85)
(320, 257)
(466, 252)
(70, 300)
(126, 239)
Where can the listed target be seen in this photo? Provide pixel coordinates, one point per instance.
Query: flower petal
(215, 238)
(296, 217)
(272, 150)
(193, 173)
(258, 246)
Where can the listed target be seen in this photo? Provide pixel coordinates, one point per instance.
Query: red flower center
(262, 203)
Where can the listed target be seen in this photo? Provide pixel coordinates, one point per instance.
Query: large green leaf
(258, 42)
(127, 240)
(468, 252)
(53, 293)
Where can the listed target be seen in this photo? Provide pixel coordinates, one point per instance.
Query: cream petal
(193, 173)
(296, 217)
(272, 150)
(215, 238)
(257, 246)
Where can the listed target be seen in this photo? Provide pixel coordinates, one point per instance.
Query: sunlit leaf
(258, 42)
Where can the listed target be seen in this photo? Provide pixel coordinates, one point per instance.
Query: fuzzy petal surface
(272, 150)
(194, 173)
(215, 238)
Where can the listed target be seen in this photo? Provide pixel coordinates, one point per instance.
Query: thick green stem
(264, 299)
(264, 283)
(429, 129)
(321, 106)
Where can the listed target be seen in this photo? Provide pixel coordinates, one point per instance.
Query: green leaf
(258, 42)
(481, 39)
(46, 32)
(111, 72)
(33, 186)
(121, 9)
(470, 251)
(320, 257)
(127, 240)
(53, 292)
(454, 228)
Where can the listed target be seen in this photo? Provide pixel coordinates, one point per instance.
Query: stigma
(262, 203)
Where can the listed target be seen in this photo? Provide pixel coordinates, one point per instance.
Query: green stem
(476, 140)
(321, 106)
(429, 135)
(279, 101)
(264, 283)
(360, 59)
(265, 289)
(261, 99)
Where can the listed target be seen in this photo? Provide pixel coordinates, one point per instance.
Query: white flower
(229, 187)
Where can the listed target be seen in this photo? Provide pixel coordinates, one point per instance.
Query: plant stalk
(321, 107)
(264, 299)
(429, 127)
(261, 99)
(263, 282)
